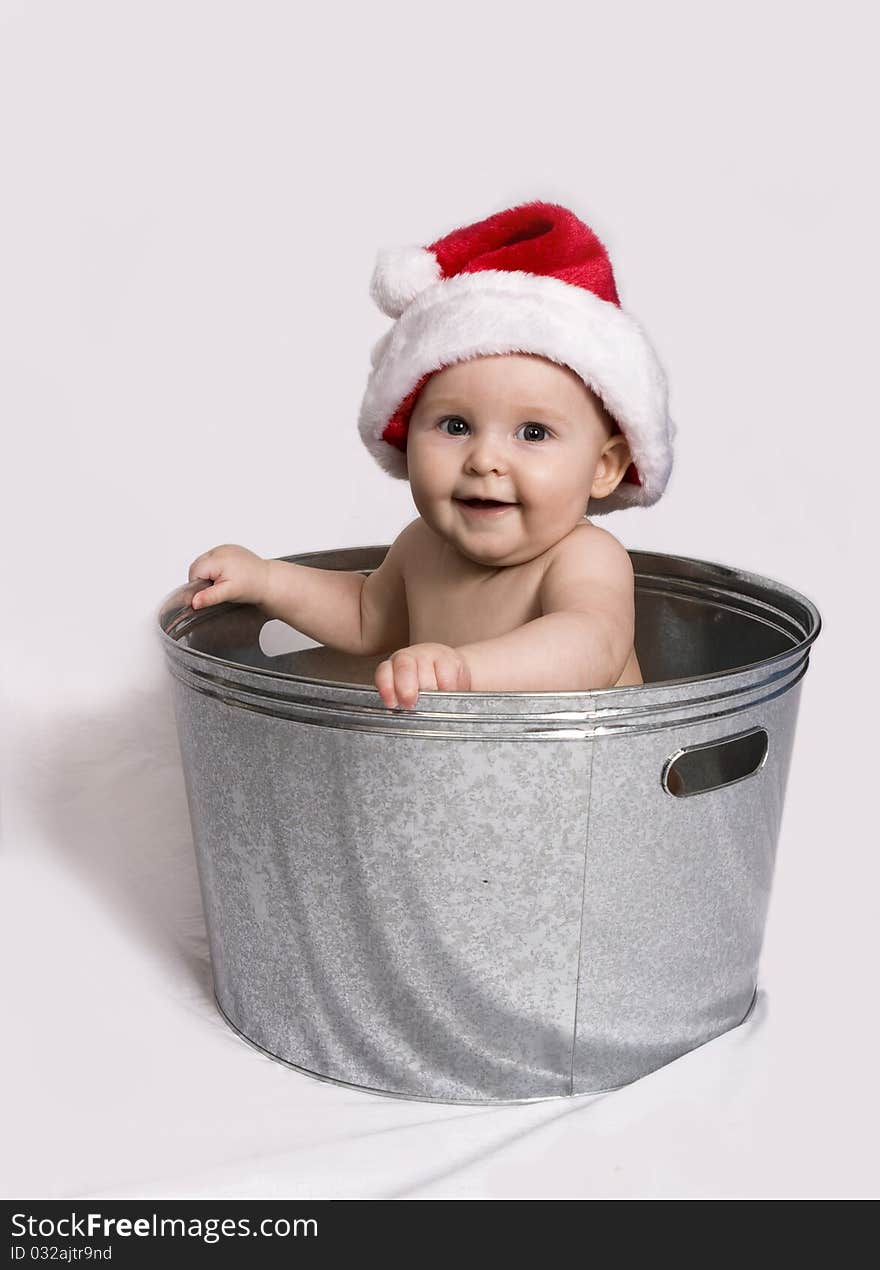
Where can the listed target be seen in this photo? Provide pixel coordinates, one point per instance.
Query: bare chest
(450, 605)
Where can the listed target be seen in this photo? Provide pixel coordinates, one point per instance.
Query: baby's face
(514, 427)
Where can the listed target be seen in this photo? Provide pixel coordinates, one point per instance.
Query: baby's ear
(611, 468)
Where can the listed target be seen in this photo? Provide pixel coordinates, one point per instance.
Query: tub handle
(698, 769)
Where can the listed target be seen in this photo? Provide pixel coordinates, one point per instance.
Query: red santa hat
(531, 279)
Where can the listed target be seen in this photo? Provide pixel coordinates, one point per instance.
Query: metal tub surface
(493, 897)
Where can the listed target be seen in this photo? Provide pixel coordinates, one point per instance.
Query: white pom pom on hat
(531, 279)
(400, 274)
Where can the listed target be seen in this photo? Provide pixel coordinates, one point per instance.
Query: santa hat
(531, 279)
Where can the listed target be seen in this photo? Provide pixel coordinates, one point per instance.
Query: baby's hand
(237, 574)
(432, 667)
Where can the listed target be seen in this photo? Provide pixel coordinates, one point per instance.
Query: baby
(514, 395)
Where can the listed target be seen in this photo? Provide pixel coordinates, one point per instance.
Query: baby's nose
(486, 456)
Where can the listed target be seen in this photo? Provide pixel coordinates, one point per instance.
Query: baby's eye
(454, 419)
(531, 429)
(458, 426)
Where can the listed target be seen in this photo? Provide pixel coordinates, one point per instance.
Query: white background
(192, 198)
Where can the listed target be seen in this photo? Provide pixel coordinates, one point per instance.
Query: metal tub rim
(616, 709)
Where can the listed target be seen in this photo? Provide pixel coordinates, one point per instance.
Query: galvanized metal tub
(494, 897)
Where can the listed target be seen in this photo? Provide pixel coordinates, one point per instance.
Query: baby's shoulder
(411, 546)
(411, 536)
(587, 557)
(587, 539)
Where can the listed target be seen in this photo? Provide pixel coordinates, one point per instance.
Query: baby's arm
(585, 636)
(340, 609)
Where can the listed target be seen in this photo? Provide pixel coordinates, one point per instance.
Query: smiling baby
(515, 395)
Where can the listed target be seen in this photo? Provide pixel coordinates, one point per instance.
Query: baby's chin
(494, 552)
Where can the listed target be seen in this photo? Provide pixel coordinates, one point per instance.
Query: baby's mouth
(484, 502)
